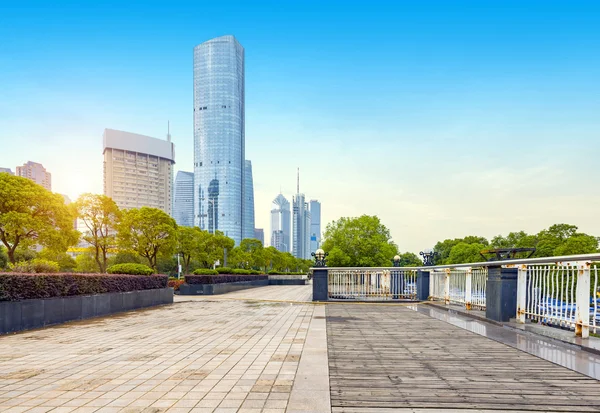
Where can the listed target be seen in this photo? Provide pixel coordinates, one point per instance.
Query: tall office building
(259, 234)
(315, 225)
(301, 227)
(7, 170)
(183, 199)
(280, 224)
(37, 173)
(219, 138)
(138, 170)
(248, 202)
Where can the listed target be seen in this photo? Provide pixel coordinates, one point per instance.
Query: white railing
(378, 284)
(562, 294)
(465, 286)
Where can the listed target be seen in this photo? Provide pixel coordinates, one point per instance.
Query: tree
(148, 232)
(30, 214)
(100, 214)
(408, 259)
(85, 263)
(578, 244)
(3, 258)
(360, 242)
(65, 262)
(188, 243)
(465, 253)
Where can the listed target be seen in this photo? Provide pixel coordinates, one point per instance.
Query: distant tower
(37, 173)
(280, 224)
(315, 225)
(183, 199)
(300, 224)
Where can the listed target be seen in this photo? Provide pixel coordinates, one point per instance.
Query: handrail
(525, 261)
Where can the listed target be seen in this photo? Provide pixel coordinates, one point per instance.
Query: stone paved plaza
(271, 350)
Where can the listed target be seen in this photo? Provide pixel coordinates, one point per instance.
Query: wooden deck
(390, 358)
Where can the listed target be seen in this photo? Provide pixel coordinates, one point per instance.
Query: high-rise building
(7, 170)
(248, 202)
(280, 224)
(37, 173)
(138, 170)
(183, 199)
(219, 137)
(301, 228)
(315, 225)
(259, 234)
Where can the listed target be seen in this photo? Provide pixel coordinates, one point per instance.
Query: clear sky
(444, 118)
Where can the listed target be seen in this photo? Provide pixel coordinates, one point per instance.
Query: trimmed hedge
(242, 271)
(205, 271)
(16, 286)
(224, 270)
(220, 279)
(129, 268)
(286, 273)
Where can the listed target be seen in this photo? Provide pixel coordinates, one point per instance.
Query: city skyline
(493, 117)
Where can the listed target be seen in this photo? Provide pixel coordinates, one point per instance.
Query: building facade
(219, 137)
(7, 170)
(259, 234)
(280, 224)
(138, 170)
(315, 225)
(37, 173)
(183, 199)
(301, 228)
(248, 202)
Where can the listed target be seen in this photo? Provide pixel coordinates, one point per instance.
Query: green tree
(30, 214)
(3, 258)
(188, 243)
(578, 244)
(465, 253)
(408, 259)
(65, 262)
(149, 232)
(360, 242)
(85, 263)
(100, 214)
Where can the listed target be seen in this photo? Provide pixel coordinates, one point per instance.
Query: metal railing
(377, 284)
(459, 286)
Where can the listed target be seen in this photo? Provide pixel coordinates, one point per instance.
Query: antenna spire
(169, 131)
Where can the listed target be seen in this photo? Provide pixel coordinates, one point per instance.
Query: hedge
(37, 265)
(286, 273)
(224, 270)
(129, 268)
(205, 271)
(220, 279)
(18, 286)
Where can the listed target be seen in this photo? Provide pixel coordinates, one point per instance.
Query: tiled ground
(202, 356)
(301, 293)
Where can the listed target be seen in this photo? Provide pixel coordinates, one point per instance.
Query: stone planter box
(288, 279)
(212, 289)
(23, 315)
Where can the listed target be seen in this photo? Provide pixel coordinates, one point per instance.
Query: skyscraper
(138, 170)
(183, 199)
(280, 224)
(37, 173)
(300, 225)
(248, 202)
(315, 225)
(219, 137)
(259, 234)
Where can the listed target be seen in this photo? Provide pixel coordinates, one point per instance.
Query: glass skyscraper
(301, 228)
(248, 202)
(280, 224)
(315, 225)
(183, 199)
(219, 138)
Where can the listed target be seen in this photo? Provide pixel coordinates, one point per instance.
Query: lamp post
(320, 258)
(428, 256)
(396, 261)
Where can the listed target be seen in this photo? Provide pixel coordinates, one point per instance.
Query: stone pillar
(422, 285)
(501, 293)
(320, 284)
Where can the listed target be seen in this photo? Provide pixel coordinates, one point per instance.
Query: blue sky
(445, 118)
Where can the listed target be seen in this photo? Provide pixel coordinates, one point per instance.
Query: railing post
(320, 284)
(501, 293)
(521, 293)
(582, 314)
(423, 285)
(447, 287)
(468, 291)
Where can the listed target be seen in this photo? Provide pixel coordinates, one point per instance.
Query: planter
(222, 288)
(23, 315)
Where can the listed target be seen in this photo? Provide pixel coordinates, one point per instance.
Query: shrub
(175, 283)
(130, 268)
(205, 271)
(224, 270)
(16, 286)
(285, 273)
(219, 279)
(240, 271)
(37, 265)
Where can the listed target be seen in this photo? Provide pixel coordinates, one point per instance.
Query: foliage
(286, 273)
(408, 259)
(188, 243)
(148, 232)
(30, 214)
(130, 268)
(64, 260)
(577, 244)
(35, 266)
(205, 271)
(175, 284)
(464, 252)
(3, 258)
(16, 287)
(23, 253)
(123, 257)
(224, 270)
(220, 279)
(243, 271)
(85, 263)
(100, 215)
(359, 242)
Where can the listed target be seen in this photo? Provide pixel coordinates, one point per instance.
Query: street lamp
(428, 256)
(320, 258)
(396, 261)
